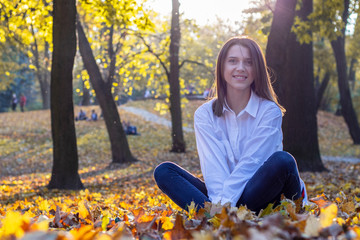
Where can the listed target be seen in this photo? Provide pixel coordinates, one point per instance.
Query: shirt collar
(251, 108)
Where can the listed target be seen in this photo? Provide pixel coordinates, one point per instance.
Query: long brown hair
(262, 83)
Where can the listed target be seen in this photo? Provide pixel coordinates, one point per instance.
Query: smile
(240, 77)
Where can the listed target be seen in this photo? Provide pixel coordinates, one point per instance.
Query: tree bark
(283, 19)
(85, 101)
(352, 73)
(178, 143)
(42, 73)
(347, 108)
(119, 145)
(65, 163)
(321, 89)
(293, 63)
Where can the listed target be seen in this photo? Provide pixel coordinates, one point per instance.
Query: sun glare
(204, 11)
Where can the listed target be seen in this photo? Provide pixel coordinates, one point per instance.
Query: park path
(148, 116)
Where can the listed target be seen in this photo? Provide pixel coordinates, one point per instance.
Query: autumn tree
(178, 143)
(65, 163)
(292, 63)
(329, 19)
(27, 26)
(347, 109)
(119, 145)
(116, 23)
(181, 55)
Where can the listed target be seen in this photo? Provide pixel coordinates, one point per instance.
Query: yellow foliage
(12, 225)
(327, 215)
(167, 223)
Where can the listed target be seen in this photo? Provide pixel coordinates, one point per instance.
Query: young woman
(239, 139)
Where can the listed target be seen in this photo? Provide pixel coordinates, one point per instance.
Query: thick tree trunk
(283, 20)
(293, 64)
(119, 145)
(178, 143)
(65, 164)
(347, 108)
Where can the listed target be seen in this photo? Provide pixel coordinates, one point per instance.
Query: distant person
(147, 94)
(81, 116)
(94, 116)
(206, 93)
(22, 102)
(129, 129)
(239, 140)
(14, 102)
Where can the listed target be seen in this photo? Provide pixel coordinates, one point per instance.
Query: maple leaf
(167, 223)
(84, 210)
(321, 201)
(268, 210)
(84, 233)
(12, 225)
(327, 215)
(105, 221)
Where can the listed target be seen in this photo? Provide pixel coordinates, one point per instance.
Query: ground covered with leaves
(124, 203)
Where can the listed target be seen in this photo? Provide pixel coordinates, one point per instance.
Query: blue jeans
(278, 175)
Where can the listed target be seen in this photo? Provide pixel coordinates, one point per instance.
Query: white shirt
(232, 148)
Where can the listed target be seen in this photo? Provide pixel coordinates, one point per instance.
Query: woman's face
(238, 70)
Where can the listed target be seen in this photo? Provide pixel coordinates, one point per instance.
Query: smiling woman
(204, 11)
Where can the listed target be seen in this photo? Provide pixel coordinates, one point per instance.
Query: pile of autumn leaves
(126, 204)
(153, 216)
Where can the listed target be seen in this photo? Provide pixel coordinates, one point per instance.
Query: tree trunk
(65, 163)
(347, 108)
(178, 143)
(46, 78)
(45, 92)
(282, 22)
(321, 89)
(352, 73)
(119, 145)
(293, 64)
(42, 73)
(85, 101)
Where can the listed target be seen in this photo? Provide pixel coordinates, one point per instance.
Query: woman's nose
(240, 66)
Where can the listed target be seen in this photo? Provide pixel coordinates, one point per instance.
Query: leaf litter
(124, 203)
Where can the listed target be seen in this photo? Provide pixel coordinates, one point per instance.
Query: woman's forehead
(238, 50)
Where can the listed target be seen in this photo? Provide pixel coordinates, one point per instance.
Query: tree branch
(198, 63)
(153, 53)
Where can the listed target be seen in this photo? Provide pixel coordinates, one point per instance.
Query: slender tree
(65, 163)
(293, 66)
(172, 75)
(347, 109)
(178, 143)
(119, 145)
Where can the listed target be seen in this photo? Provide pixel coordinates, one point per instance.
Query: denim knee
(282, 161)
(161, 172)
